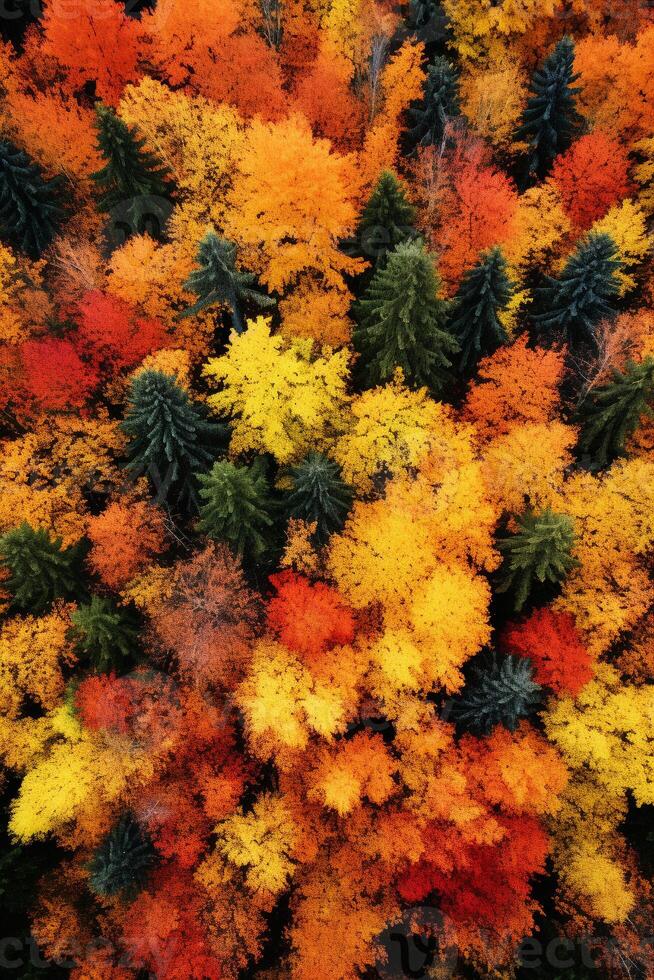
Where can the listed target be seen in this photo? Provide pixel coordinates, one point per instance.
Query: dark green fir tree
(106, 636)
(550, 120)
(484, 293)
(30, 209)
(402, 322)
(612, 412)
(235, 507)
(130, 170)
(439, 104)
(387, 220)
(573, 304)
(123, 861)
(499, 691)
(217, 280)
(40, 570)
(170, 437)
(539, 552)
(319, 495)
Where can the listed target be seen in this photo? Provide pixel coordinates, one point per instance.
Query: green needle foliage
(170, 438)
(30, 212)
(550, 120)
(387, 220)
(484, 292)
(40, 570)
(235, 507)
(130, 170)
(217, 280)
(440, 103)
(319, 495)
(402, 322)
(499, 692)
(123, 861)
(575, 303)
(612, 412)
(105, 635)
(539, 552)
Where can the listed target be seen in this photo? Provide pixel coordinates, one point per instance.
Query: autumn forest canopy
(327, 489)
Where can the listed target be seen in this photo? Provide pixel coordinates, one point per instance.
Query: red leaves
(309, 618)
(550, 639)
(591, 176)
(104, 701)
(54, 375)
(111, 333)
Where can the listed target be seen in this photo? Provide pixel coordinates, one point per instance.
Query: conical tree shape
(123, 861)
(30, 212)
(40, 570)
(499, 692)
(484, 292)
(575, 303)
(319, 495)
(235, 507)
(170, 439)
(539, 552)
(402, 322)
(550, 120)
(387, 220)
(104, 634)
(439, 103)
(130, 170)
(217, 280)
(613, 412)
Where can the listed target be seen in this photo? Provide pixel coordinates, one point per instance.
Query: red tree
(112, 334)
(308, 617)
(591, 176)
(552, 642)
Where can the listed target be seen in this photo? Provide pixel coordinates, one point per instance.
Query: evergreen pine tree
(499, 692)
(440, 102)
(387, 220)
(612, 412)
(235, 507)
(577, 301)
(40, 570)
(319, 495)
(402, 322)
(217, 280)
(550, 119)
(130, 170)
(484, 292)
(104, 634)
(123, 860)
(540, 551)
(170, 438)
(30, 212)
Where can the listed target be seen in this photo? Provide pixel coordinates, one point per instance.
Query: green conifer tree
(484, 292)
(539, 552)
(387, 220)
(106, 636)
(217, 280)
(402, 322)
(130, 170)
(440, 103)
(574, 303)
(499, 692)
(319, 495)
(235, 507)
(30, 210)
(613, 412)
(40, 570)
(170, 437)
(550, 120)
(123, 861)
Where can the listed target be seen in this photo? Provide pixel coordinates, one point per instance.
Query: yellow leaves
(529, 461)
(626, 224)
(643, 174)
(492, 100)
(608, 731)
(541, 225)
(284, 401)
(601, 880)
(480, 27)
(261, 841)
(32, 652)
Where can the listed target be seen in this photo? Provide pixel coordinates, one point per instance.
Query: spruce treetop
(40, 570)
(30, 210)
(484, 292)
(319, 495)
(612, 412)
(539, 552)
(387, 220)
(235, 507)
(499, 692)
(440, 102)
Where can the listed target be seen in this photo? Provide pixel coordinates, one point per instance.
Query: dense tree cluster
(327, 489)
